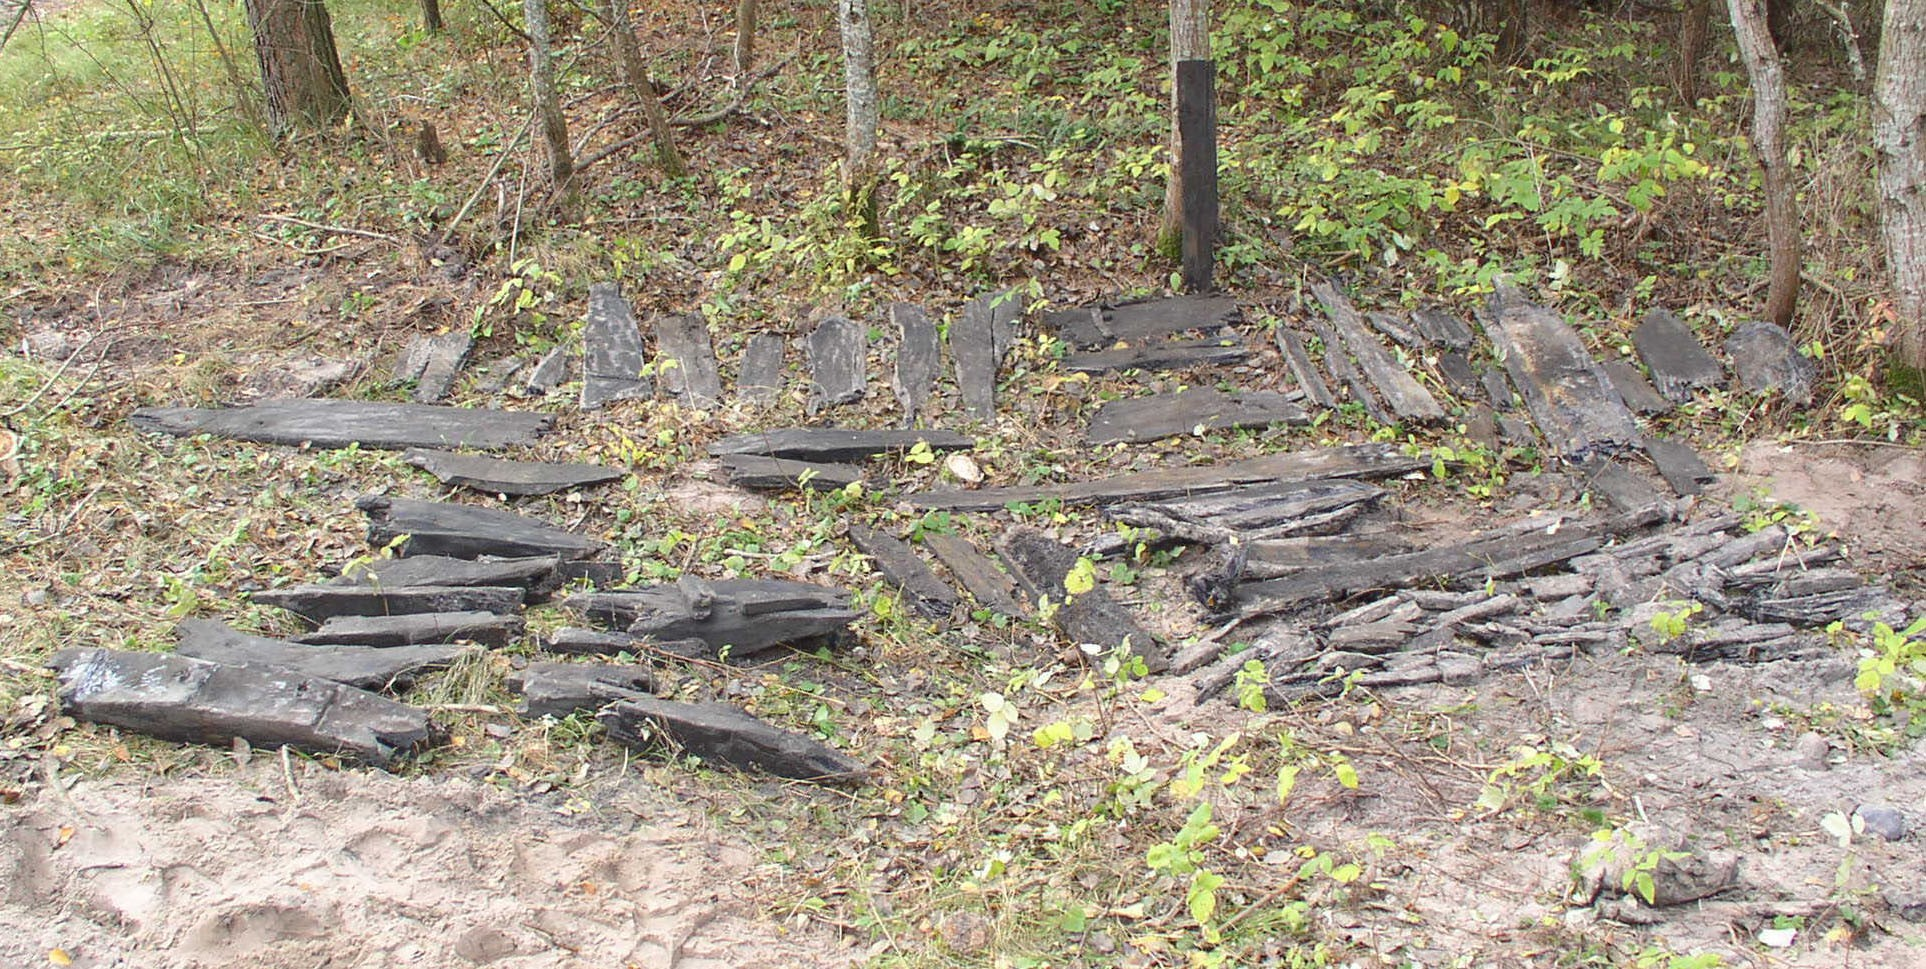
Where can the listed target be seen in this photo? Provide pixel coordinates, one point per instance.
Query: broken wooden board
(188, 700)
(1152, 320)
(433, 363)
(534, 574)
(1309, 380)
(1566, 391)
(759, 379)
(1680, 465)
(1638, 392)
(1167, 355)
(499, 477)
(832, 444)
(990, 586)
(763, 473)
(464, 531)
(1346, 461)
(737, 616)
(482, 628)
(917, 363)
(1615, 487)
(548, 372)
(686, 360)
(320, 603)
(1459, 376)
(900, 567)
(1091, 617)
(552, 689)
(324, 423)
(1678, 363)
(1193, 411)
(1764, 358)
(1076, 326)
(1408, 399)
(1272, 558)
(1318, 506)
(612, 357)
(978, 339)
(365, 667)
(724, 735)
(838, 362)
(1442, 329)
(1347, 374)
(573, 641)
(1398, 329)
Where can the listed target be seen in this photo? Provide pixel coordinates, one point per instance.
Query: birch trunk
(548, 104)
(745, 54)
(1899, 135)
(859, 75)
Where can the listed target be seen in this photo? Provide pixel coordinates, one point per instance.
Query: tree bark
(1762, 65)
(548, 104)
(1899, 135)
(431, 15)
(635, 74)
(859, 76)
(745, 54)
(1189, 41)
(1695, 21)
(300, 70)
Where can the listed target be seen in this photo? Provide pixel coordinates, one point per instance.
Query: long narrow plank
(324, 423)
(1442, 329)
(1291, 345)
(1635, 389)
(990, 586)
(686, 360)
(1090, 617)
(498, 477)
(1171, 355)
(1678, 362)
(1339, 361)
(1348, 461)
(837, 444)
(917, 353)
(759, 380)
(978, 338)
(838, 362)
(899, 566)
(764, 473)
(1408, 399)
(465, 531)
(1147, 320)
(1572, 401)
(1139, 419)
(319, 603)
(612, 354)
(366, 667)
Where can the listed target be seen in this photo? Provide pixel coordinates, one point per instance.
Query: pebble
(1810, 751)
(1886, 822)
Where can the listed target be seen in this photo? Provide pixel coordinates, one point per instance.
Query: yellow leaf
(59, 957)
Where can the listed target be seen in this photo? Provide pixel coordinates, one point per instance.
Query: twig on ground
(340, 230)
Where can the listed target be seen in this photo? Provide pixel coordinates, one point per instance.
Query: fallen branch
(340, 230)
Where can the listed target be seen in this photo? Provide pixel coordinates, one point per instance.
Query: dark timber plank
(990, 586)
(552, 689)
(1139, 419)
(484, 628)
(686, 360)
(738, 617)
(1567, 392)
(838, 362)
(1041, 565)
(465, 531)
(319, 603)
(1170, 355)
(1680, 465)
(1318, 506)
(1078, 326)
(978, 339)
(1615, 487)
(1269, 558)
(499, 477)
(366, 667)
(762, 473)
(1338, 361)
(1679, 364)
(1635, 389)
(760, 379)
(917, 358)
(434, 362)
(837, 444)
(188, 700)
(1459, 376)
(1442, 329)
(1196, 98)
(1349, 461)
(1398, 329)
(535, 574)
(725, 735)
(900, 566)
(339, 423)
(1291, 345)
(612, 354)
(1408, 399)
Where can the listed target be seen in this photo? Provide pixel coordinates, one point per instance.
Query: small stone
(1777, 938)
(1878, 819)
(1908, 900)
(1810, 751)
(963, 468)
(965, 932)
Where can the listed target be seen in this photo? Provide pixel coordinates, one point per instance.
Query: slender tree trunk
(431, 15)
(300, 70)
(745, 37)
(859, 76)
(548, 104)
(1899, 134)
(1768, 142)
(1695, 21)
(1189, 41)
(635, 74)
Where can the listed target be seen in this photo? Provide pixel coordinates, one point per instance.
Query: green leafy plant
(1892, 673)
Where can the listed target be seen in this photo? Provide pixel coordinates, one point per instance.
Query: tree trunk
(859, 76)
(300, 71)
(1695, 21)
(745, 38)
(1189, 41)
(636, 75)
(1768, 142)
(548, 104)
(1899, 134)
(431, 15)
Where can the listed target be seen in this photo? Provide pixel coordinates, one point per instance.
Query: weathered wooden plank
(1275, 557)
(552, 689)
(535, 574)
(1407, 398)
(1291, 345)
(1680, 465)
(1078, 326)
(1150, 320)
(1615, 487)
(548, 372)
(1267, 511)
(1167, 355)
(740, 616)
(1459, 376)
(978, 339)
(498, 477)
(1195, 410)
(837, 444)
(1347, 461)
(482, 628)
(1346, 373)
(465, 531)
(1635, 389)
(686, 360)
(764, 473)
(571, 641)
(1764, 358)
(728, 736)
(1196, 118)
(838, 362)
(917, 352)
(1566, 391)
(319, 603)
(188, 700)
(759, 381)
(900, 567)
(1041, 564)
(433, 363)
(990, 586)
(326, 423)
(365, 667)
(1678, 363)
(1398, 329)
(1442, 329)
(612, 357)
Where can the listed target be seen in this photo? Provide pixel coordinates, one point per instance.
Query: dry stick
(487, 180)
(333, 229)
(19, 15)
